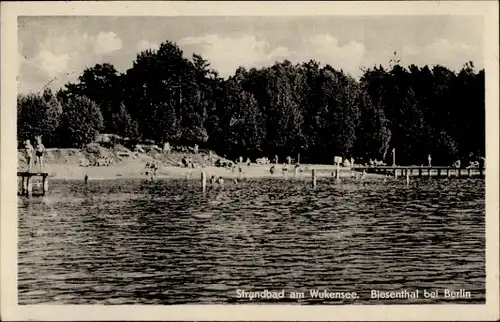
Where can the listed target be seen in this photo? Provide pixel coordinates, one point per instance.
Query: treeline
(285, 109)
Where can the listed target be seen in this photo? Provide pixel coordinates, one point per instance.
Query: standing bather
(40, 150)
(28, 151)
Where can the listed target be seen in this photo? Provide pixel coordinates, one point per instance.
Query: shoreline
(137, 171)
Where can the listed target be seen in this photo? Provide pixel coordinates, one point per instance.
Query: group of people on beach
(152, 168)
(213, 181)
(187, 162)
(34, 154)
(284, 168)
(376, 163)
(103, 162)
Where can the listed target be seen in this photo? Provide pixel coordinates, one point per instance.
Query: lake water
(165, 242)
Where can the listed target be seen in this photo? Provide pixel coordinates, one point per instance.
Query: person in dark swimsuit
(39, 150)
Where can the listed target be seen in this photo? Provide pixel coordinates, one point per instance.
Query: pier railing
(423, 171)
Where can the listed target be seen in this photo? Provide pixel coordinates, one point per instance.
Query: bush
(38, 115)
(81, 122)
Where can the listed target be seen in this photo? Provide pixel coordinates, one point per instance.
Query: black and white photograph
(190, 157)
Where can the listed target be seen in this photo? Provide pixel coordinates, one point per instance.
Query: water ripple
(166, 242)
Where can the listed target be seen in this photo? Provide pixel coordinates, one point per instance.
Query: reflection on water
(166, 242)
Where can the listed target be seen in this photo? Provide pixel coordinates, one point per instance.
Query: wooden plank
(32, 174)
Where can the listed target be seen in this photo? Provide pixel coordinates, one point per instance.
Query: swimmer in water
(296, 168)
(212, 179)
(220, 181)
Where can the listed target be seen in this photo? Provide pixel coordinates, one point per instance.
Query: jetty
(27, 182)
(423, 171)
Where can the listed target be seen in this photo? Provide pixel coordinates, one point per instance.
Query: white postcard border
(11, 311)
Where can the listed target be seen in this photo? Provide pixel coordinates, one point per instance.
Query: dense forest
(285, 109)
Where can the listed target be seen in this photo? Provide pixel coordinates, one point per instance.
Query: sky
(56, 50)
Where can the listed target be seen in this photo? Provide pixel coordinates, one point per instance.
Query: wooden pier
(423, 171)
(27, 182)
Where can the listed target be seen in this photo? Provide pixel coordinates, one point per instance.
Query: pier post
(203, 181)
(29, 186)
(407, 174)
(429, 173)
(24, 187)
(469, 172)
(459, 172)
(313, 171)
(395, 173)
(448, 172)
(338, 171)
(45, 181)
(419, 172)
(439, 172)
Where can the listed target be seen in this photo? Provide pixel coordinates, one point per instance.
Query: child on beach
(40, 149)
(28, 150)
(284, 168)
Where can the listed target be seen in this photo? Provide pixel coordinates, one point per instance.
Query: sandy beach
(136, 170)
(69, 164)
